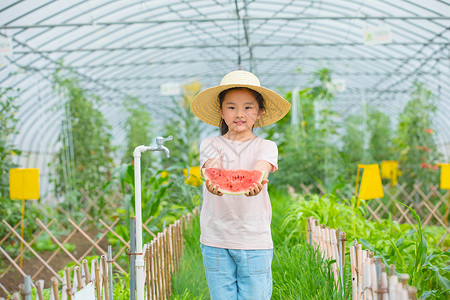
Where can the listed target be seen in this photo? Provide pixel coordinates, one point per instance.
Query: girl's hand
(256, 189)
(213, 189)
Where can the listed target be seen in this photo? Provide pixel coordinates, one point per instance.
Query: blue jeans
(238, 274)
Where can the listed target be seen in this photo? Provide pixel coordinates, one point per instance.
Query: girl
(236, 242)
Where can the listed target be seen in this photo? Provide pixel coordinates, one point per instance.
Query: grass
(190, 280)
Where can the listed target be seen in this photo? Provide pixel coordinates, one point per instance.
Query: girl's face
(240, 110)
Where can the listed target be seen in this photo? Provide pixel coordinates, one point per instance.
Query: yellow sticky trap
(445, 176)
(193, 177)
(371, 186)
(389, 170)
(24, 184)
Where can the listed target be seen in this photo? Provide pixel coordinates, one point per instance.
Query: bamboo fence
(370, 280)
(162, 257)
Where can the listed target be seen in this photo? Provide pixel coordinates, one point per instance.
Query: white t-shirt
(237, 221)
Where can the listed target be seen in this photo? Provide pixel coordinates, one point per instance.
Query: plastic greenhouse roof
(132, 47)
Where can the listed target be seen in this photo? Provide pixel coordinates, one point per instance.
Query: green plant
(8, 124)
(414, 142)
(45, 243)
(84, 159)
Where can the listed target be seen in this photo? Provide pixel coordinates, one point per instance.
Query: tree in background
(8, 124)
(414, 142)
(84, 159)
(138, 128)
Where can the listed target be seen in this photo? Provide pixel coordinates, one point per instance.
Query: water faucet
(159, 143)
(158, 147)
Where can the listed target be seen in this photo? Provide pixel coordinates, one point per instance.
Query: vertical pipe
(110, 284)
(22, 227)
(133, 257)
(139, 262)
(27, 287)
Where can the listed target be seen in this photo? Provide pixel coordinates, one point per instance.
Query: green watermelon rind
(237, 193)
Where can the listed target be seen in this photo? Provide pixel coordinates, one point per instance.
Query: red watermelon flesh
(233, 182)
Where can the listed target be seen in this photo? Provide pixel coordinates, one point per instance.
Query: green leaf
(444, 281)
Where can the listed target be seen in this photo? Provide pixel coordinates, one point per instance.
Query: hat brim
(205, 105)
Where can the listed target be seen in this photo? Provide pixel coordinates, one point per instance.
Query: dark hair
(258, 97)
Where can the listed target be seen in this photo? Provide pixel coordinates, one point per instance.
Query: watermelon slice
(233, 182)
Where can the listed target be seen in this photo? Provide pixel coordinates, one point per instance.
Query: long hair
(258, 97)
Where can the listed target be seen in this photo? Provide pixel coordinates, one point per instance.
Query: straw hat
(206, 104)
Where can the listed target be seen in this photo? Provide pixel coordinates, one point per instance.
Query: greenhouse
(333, 153)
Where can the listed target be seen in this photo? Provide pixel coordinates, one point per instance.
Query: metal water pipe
(158, 146)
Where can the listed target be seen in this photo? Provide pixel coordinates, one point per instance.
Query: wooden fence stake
(153, 269)
(147, 271)
(97, 279)
(87, 277)
(39, 288)
(105, 276)
(68, 284)
(353, 265)
(393, 281)
(359, 269)
(55, 290)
